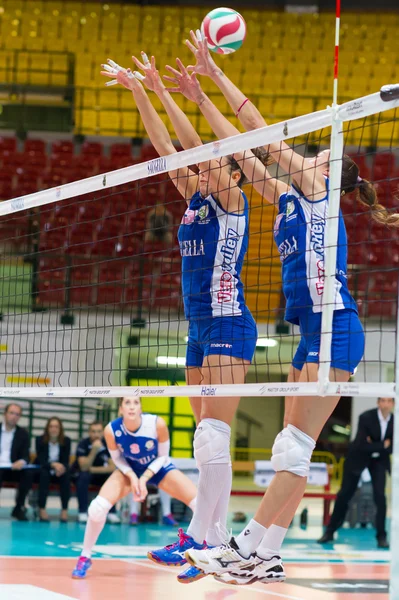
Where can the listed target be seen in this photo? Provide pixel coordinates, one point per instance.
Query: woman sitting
(53, 450)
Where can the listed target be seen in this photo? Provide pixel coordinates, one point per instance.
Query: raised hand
(205, 64)
(120, 75)
(186, 83)
(151, 78)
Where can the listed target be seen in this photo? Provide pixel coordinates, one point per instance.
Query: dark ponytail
(365, 193)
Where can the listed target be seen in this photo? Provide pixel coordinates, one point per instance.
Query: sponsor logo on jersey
(203, 213)
(287, 247)
(188, 217)
(228, 252)
(317, 227)
(192, 248)
(118, 433)
(317, 230)
(221, 345)
(149, 444)
(134, 449)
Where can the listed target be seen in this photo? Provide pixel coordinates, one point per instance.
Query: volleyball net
(91, 300)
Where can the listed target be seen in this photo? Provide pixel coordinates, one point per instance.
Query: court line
(173, 571)
(149, 565)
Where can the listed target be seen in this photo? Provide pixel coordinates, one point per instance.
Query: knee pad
(292, 451)
(99, 509)
(212, 442)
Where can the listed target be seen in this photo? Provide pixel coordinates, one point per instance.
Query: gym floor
(37, 560)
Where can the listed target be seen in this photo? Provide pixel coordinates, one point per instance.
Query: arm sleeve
(120, 461)
(163, 457)
(164, 448)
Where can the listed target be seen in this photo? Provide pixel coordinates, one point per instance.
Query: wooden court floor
(43, 578)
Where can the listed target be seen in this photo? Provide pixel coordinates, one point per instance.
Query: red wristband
(238, 111)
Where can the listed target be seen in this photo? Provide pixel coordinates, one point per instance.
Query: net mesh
(91, 271)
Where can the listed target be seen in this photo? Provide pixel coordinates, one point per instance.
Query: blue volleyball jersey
(139, 448)
(213, 244)
(299, 232)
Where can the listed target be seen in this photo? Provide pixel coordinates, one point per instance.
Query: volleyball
(224, 29)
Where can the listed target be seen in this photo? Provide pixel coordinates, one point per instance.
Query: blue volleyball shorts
(157, 478)
(228, 336)
(347, 340)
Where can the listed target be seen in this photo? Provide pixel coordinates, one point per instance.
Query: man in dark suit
(14, 456)
(370, 450)
(93, 466)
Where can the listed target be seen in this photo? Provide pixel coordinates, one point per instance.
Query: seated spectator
(14, 456)
(94, 466)
(53, 450)
(158, 225)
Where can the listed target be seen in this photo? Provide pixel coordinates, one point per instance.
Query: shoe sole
(167, 564)
(192, 579)
(264, 580)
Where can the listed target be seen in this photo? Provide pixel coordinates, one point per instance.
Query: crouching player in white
(139, 446)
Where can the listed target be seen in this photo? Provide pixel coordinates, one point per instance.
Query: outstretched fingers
(182, 68)
(175, 72)
(138, 63)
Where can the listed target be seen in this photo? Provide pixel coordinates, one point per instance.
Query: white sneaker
(218, 560)
(82, 517)
(264, 570)
(113, 519)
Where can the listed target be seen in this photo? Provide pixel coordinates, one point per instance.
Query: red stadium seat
(51, 180)
(106, 247)
(385, 160)
(103, 165)
(82, 295)
(92, 149)
(62, 147)
(119, 150)
(111, 293)
(114, 271)
(83, 274)
(13, 159)
(8, 144)
(38, 146)
(6, 191)
(51, 292)
(148, 152)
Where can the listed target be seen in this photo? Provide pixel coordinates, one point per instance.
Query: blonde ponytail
(366, 194)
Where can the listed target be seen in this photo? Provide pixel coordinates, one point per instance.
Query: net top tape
(355, 109)
(367, 390)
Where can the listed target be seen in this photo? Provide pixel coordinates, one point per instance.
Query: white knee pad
(212, 442)
(292, 451)
(99, 509)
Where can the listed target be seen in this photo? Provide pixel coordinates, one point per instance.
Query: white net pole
(394, 585)
(330, 240)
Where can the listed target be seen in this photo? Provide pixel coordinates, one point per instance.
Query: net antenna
(331, 222)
